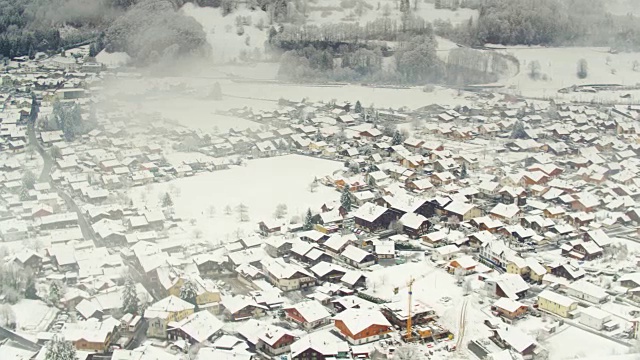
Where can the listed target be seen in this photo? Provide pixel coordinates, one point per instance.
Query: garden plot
(260, 185)
(33, 316)
(575, 343)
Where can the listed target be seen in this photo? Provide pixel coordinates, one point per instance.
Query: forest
(546, 22)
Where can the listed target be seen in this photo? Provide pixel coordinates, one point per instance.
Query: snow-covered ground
(222, 33)
(33, 316)
(574, 343)
(260, 185)
(113, 59)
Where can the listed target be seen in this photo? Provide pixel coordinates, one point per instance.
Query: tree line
(545, 22)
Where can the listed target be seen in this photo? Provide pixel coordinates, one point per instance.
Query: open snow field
(33, 316)
(574, 343)
(260, 185)
(222, 33)
(560, 66)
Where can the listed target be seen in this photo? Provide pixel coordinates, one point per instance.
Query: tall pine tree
(358, 107)
(130, 301)
(397, 138)
(345, 198)
(308, 221)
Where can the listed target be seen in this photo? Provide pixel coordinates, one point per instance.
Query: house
(556, 304)
(630, 281)
(496, 253)
(286, 276)
(238, 308)
(319, 345)
(445, 253)
(372, 217)
(29, 259)
(360, 326)
(584, 290)
(326, 271)
(195, 328)
(165, 311)
(594, 318)
(507, 285)
(464, 264)
(462, 211)
(309, 314)
(357, 257)
(581, 250)
(506, 213)
(414, 225)
(269, 340)
(567, 271)
(509, 308)
(514, 339)
(91, 336)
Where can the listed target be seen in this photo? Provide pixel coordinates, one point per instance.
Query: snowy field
(260, 185)
(573, 343)
(33, 316)
(560, 67)
(222, 33)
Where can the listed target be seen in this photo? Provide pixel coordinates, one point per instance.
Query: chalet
(277, 246)
(196, 328)
(510, 309)
(414, 225)
(514, 339)
(359, 326)
(357, 257)
(581, 250)
(237, 308)
(326, 271)
(566, 271)
(269, 226)
(319, 345)
(337, 243)
(511, 286)
(507, 213)
(286, 276)
(464, 264)
(371, 217)
(462, 211)
(308, 314)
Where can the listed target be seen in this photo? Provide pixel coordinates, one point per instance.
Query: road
(461, 324)
(45, 176)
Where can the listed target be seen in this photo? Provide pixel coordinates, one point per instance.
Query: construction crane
(409, 335)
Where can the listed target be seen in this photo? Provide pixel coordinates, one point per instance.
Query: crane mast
(409, 335)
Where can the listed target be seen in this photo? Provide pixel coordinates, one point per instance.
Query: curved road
(45, 176)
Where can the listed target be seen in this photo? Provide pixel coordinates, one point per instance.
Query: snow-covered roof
(311, 310)
(355, 254)
(199, 326)
(508, 304)
(556, 298)
(412, 220)
(358, 320)
(324, 342)
(369, 212)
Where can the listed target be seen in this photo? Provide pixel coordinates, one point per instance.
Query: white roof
(200, 326)
(337, 241)
(369, 212)
(354, 253)
(594, 312)
(324, 342)
(556, 298)
(507, 211)
(516, 339)
(358, 320)
(508, 304)
(311, 310)
(585, 287)
(459, 207)
(412, 220)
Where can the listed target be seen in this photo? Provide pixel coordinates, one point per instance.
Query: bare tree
(397, 226)
(635, 65)
(243, 212)
(281, 211)
(227, 210)
(466, 286)
(7, 316)
(406, 352)
(534, 70)
(313, 187)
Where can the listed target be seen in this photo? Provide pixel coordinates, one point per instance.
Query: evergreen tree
(308, 221)
(55, 292)
(189, 292)
(358, 107)
(345, 199)
(166, 200)
(60, 349)
(463, 171)
(28, 179)
(397, 138)
(24, 193)
(130, 301)
(518, 131)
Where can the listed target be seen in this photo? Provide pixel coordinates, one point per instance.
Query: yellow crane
(409, 335)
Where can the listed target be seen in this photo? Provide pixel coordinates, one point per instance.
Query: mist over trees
(545, 22)
(153, 30)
